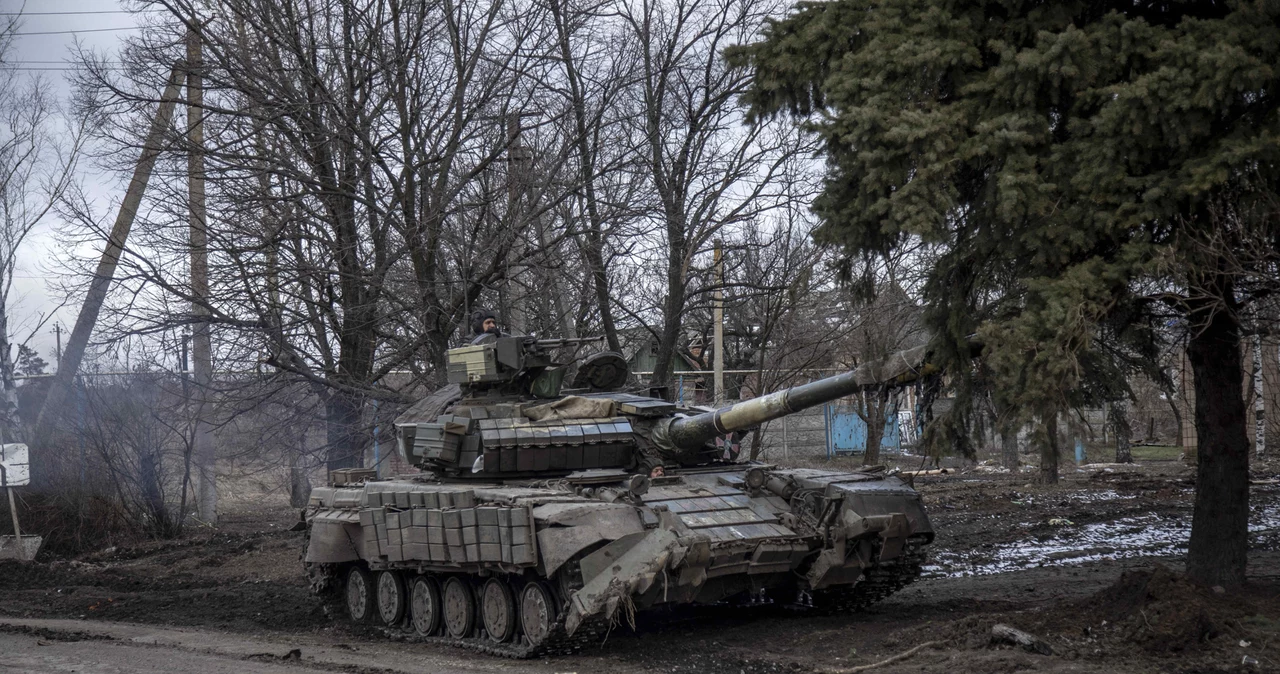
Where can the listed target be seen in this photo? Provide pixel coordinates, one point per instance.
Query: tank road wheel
(424, 606)
(390, 597)
(537, 611)
(359, 595)
(498, 609)
(459, 608)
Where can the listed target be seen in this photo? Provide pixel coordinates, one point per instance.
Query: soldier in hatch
(483, 324)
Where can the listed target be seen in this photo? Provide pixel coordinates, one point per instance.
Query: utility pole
(523, 210)
(57, 333)
(201, 349)
(717, 321)
(513, 296)
(69, 362)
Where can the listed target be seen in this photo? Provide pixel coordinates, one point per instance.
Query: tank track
(878, 582)
(327, 587)
(559, 643)
(326, 584)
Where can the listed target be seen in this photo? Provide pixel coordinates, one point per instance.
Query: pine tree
(1086, 167)
(29, 362)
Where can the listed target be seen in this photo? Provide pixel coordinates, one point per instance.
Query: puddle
(1153, 535)
(1080, 496)
(1096, 496)
(1265, 519)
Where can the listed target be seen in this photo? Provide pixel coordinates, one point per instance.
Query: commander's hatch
(605, 371)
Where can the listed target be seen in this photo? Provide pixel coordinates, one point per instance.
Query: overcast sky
(49, 30)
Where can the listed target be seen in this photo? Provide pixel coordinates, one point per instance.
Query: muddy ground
(1090, 567)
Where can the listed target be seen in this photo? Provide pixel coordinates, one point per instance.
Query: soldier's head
(483, 321)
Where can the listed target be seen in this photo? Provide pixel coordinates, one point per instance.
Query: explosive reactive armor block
(465, 533)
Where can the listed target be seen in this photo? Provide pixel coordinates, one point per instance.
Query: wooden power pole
(514, 296)
(69, 362)
(202, 449)
(520, 303)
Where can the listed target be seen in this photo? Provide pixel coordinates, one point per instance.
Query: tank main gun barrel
(690, 433)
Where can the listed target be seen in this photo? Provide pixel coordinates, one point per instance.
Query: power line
(73, 32)
(80, 12)
(55, 66)
(49, 70)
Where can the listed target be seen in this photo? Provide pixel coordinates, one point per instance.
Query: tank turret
(510, 415)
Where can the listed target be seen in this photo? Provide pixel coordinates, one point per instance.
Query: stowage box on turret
(544, 510)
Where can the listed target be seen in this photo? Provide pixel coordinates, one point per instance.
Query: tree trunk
(593, 247)
(1049, 451)
(1251, 393)
(1120, 426)
(152, 492)
(755, 443)
(594, 250)
(1216, 554)
(299, 483)
(673, 310)
(1172, 397)
(342, 432)
(10, 421)
(875, 434)
(875, 406)
(1271, 391)
(1009, 448)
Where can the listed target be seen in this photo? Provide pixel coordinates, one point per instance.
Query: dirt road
(1071, 564)
(702, 641)
(92, 647)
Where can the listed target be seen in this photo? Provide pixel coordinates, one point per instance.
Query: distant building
(640, 348)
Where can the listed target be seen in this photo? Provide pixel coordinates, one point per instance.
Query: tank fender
(691, 557)
(884, 499)
(637, 567)
(840, 564)
(565, 529)
(599, 561)
(893, 529)
(334, 538)
(630, 566)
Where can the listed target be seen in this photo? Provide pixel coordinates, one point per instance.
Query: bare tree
(356, 154)
(1119, 420)
(888, 321)
(599, 67)
(779, 309)
(39, 148)
(707, 170)
(375, 170)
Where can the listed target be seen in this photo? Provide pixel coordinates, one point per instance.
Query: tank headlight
(755, 478)
(638, 485)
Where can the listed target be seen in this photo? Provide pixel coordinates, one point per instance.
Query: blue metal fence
(847, 432)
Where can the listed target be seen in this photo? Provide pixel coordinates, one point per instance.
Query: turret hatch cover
(605, 371)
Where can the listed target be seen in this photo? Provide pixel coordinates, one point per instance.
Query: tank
(548, 510)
